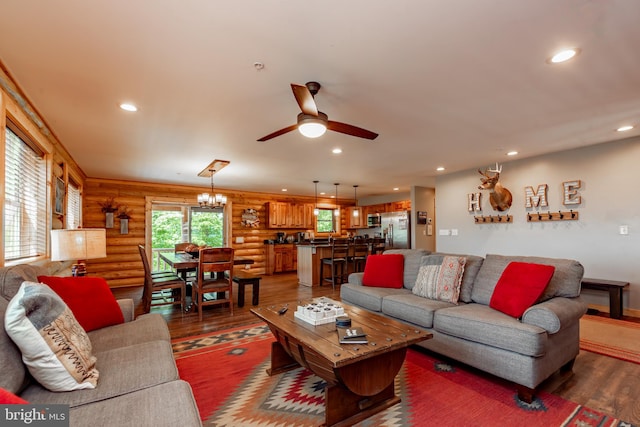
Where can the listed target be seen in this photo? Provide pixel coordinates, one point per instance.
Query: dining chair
(337, 262)
(216, 261)
(159, 282)
(185, 273)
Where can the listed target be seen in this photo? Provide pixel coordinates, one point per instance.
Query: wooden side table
(614, 287)
(244, 278)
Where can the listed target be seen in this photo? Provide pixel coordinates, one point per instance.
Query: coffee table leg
(240, 294)
(280, 360)
(344, 408)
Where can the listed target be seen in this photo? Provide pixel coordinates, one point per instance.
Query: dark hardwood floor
(603, 383)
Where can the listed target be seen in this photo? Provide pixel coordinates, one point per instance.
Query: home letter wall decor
(537, 199)
(571, 196)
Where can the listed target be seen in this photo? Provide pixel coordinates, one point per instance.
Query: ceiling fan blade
(279, 132)
(351, 130)
(305, 99)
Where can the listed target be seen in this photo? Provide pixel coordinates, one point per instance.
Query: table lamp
(78, 244)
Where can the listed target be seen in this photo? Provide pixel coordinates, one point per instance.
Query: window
(73, 205)
(325, 221)
(25, 204)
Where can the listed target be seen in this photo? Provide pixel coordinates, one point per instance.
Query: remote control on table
(282, 311)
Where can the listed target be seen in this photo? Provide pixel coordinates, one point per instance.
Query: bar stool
(378, 246)
(359, 253)
(337, 262)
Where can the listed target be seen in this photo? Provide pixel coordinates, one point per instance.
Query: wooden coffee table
(360, 377)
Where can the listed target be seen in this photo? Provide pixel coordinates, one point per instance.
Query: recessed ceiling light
(512, 153)
(395, 189)
(440, 169)
(128, 107)
(563, 55)
(322, 193)
(624, 128)
(284, 189)
(336, 150)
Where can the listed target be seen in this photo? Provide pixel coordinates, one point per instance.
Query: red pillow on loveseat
(89, 299)
(384, 271)
(520, 286)
(8, 398)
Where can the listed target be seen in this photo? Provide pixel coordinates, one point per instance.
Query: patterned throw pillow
(440, 281)
(55, 348)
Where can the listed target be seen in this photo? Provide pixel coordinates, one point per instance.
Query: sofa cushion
(411, 308)
(440, 281)
(8, 398)
(384, 271)
(412, 258)
(565, 281)
(480, 323)
(471, 268)
(122, 370)
(520, 286)
(168, 404)
(89, 298)
(55, 348)
(11, 278)
(366, 296)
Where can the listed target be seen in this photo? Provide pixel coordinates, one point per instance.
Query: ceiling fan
(313, 123)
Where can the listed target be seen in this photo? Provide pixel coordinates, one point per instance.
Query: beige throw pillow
(440, 281)
(55, 348)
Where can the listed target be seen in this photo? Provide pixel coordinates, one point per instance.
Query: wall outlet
(239, 239)
(454, 231)
(624, 230)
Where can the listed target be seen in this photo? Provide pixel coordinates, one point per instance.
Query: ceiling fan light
(312, 128)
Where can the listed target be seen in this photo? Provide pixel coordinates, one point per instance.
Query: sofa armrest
(555, 314)
(356, 278)
(126, 306)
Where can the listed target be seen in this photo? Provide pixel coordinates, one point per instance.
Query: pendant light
(316, 211)
(336, 212)
(212, 200)
(356, 213)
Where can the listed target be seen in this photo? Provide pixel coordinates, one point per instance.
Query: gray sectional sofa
(138, 384)
(525, 351)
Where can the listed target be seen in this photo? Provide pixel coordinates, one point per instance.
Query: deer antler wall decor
(499, 196)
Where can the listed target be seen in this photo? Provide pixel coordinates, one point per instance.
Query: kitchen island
(309, 256)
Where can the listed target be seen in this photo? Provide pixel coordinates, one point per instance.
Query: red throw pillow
(89, 299)
(520, 286)
(384, 271)
(6, 397)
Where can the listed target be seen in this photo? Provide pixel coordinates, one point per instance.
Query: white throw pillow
(55, 348)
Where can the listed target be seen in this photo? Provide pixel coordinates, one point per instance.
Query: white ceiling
(453, 83)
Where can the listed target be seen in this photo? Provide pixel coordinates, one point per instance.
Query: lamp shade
(80, 244)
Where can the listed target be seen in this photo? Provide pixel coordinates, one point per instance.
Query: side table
(614, 287)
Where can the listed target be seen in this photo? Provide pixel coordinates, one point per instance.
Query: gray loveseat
(138, 384)
(525, 351)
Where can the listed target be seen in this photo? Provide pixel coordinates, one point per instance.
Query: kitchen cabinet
(278, 214)
(359, 221)
(290, 215)
(281, 258)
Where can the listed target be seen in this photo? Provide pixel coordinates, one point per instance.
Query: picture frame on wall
(422, 217)
(58, 207)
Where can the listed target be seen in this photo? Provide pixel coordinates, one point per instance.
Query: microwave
(373, 220)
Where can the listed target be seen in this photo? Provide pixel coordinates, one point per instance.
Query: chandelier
(213, 200)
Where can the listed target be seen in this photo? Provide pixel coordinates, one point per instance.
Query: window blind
(25, 199)
(73, 205)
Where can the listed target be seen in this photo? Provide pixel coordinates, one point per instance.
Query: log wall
(123, 267)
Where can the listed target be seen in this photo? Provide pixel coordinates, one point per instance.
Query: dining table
(184, 260)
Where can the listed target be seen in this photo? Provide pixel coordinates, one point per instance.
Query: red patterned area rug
(227, 371)
(610, 337)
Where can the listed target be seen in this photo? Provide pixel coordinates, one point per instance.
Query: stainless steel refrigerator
(396, 228)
